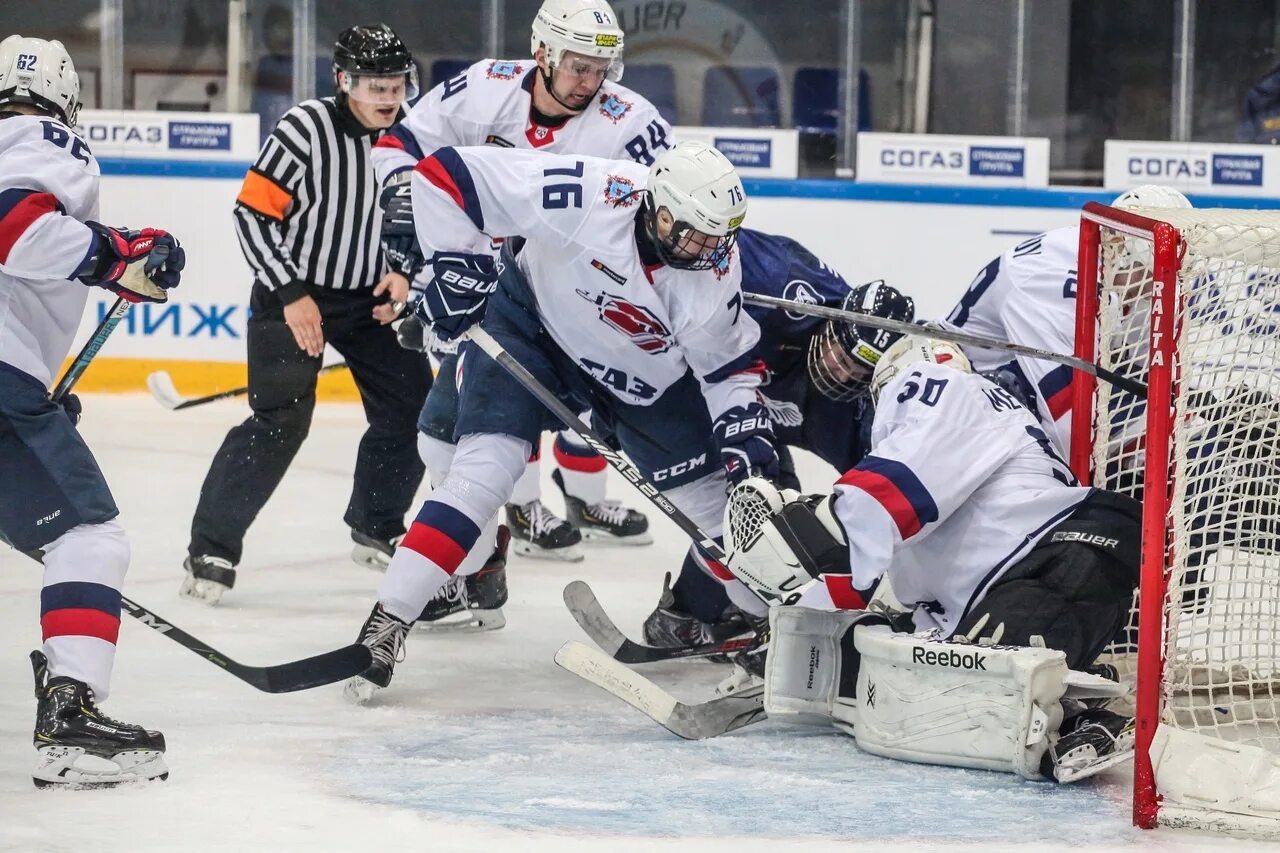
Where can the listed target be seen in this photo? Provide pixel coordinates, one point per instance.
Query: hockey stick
(597, 625)
(932, 330)
(494, 350)
(161, 386)
(689, 721)
(90, 349)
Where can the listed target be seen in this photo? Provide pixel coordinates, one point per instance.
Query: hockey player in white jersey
(624, 299)
(54, 503)
(1028, 296)
(967, 510)
(567, 100)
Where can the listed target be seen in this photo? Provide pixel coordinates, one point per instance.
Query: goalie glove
(399, 237)
(136, 265)
(778, 541)
(455, 295)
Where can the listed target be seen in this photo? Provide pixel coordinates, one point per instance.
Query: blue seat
(658, 85)
(444, 69)
(740, 96)
(815, 104)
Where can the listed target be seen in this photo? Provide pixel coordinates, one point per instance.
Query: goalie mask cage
(1189, 301)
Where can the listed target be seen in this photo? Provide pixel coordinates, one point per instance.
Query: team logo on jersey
(502, 70)
(620, 191)
(721, 269)
(614, 108)
(540, 135)
(782, 412)
(620, 279)
(635, 321)
(494, 139)
(799, 290)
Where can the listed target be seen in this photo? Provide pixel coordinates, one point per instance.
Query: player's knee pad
(484, 471)
(437, 455)
(93, 553)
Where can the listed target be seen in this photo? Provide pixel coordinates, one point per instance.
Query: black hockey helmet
(374, 50)
(843, 355)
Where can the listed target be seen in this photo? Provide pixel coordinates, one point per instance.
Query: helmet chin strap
(551, 90)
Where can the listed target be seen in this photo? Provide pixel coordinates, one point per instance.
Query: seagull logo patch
(614, 108)
(503, 70)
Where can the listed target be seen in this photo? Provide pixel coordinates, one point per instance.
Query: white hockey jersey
(634, 328)
(490, 104)
(48, 188)
(1028, 296)
(961, 483)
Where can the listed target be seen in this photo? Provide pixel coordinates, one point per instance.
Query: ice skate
(79, 746)
(384, 635)
(607, 522)
(538, 533)
(207, 578)
(371, 552)
(1094, 740)
(474, 602)
(669, 627)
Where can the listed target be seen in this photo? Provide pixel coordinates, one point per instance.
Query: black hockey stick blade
(689, 721)
(161, 386)
(597, 625)
(327, 668)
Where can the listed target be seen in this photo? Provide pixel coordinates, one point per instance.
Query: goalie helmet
(913, 349)
(1152, 195)
(40, 73)
(843, 355)
(586, 27)
(1130, 254)
(696, 191)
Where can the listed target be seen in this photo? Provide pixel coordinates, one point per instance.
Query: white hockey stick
(689, 721)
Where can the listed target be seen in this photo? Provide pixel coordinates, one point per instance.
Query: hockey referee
(309, 226)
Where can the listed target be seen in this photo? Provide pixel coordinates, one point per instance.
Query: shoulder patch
(501, 69)
(614, 108)
(799, 290)
(721, 269)
(620, 191)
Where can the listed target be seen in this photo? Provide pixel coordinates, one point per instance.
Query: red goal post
(1189, 302)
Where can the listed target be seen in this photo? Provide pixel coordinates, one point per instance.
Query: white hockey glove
(778, 541)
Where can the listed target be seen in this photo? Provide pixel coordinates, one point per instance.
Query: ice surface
(482, 743)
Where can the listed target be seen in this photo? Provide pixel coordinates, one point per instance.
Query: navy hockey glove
(455, 296)
(137, 265)
(399, 238)
(71, 408)
(745, 434)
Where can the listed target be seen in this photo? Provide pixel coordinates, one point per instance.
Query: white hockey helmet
(588, 27)
(913, 349)
(1152, 195)
(701, 190)
(40, 73)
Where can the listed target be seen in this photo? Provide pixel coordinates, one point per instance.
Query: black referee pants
(253, 458)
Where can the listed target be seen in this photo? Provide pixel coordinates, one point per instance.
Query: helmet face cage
(685, 247)
(843, 356)
(366, 53)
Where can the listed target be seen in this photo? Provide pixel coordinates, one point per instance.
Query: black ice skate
(539, 533)
(207, 578)
(608, 522)
(1089, 743)
(79, 746)
(371, 552)
(479, 597)
(748, 664)
(672, 628)
(384, 635)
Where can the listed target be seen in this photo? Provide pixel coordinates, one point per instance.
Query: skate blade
(359, 690)
(603, 537)
(70, 767)
(1069, 772)
(203, 591)
(470, 622)
(572, 554)
(370, 558)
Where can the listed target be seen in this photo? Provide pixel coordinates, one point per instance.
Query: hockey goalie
(1010, 576)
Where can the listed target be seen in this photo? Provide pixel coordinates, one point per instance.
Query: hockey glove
(136, 265)
(71, 408)
(455, 296)
(399, 237)
(745, 434)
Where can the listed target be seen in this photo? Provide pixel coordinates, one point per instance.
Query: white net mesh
(1222, 603)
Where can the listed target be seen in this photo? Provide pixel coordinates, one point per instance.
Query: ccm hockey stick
(932, 330)
(161, 386)
(597, 625)
(689, 721)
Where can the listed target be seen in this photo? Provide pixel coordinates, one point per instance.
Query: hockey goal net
(1188, 301)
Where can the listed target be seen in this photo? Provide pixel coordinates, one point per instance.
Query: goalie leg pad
(811, 665)
(981, 706)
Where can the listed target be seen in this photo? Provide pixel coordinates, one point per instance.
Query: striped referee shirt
(308, 210)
